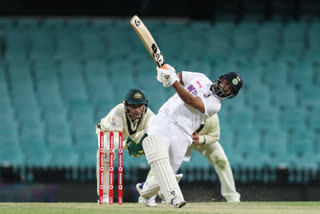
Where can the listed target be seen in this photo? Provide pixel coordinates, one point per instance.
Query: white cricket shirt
(184, 115)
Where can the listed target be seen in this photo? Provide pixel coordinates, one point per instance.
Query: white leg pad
(158, 159)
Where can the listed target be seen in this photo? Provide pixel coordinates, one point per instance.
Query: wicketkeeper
(132, 118)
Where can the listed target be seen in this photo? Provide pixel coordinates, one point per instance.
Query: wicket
(112, 136)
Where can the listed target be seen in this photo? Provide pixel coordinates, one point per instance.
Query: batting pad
(158, 159)
(105, 173)
(151, 187)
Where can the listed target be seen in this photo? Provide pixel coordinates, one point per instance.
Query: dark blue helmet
(234, 80)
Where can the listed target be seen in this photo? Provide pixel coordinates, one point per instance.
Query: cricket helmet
(135, 96)
(234, 80)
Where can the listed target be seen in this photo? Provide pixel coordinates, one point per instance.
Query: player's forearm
(185, 95)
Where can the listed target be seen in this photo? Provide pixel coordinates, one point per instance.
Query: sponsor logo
(207, 95)
(137, 23)
(192, 89)
(110, 186)
(173, 193)
(101, 186)
(199, 84)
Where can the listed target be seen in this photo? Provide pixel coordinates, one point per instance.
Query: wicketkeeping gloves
(167, 76)
(135, 148)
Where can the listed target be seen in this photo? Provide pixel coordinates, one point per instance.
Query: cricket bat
(148, 41)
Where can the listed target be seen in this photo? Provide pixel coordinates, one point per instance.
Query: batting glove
(167, 76)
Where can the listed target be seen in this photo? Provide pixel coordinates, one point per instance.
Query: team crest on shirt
(137, 95)
(113, 121)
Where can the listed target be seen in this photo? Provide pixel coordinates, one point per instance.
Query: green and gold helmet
(135, 97)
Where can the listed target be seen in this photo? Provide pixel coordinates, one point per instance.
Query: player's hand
(195, 139)
(135, 148)
(167, 76)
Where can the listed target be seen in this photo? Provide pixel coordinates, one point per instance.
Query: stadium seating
(59, 77)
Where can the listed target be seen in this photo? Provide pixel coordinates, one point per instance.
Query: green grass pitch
(127, 208)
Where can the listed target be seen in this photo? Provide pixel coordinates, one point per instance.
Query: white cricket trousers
(175, 139)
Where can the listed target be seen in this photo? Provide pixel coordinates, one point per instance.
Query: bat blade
(147, 40)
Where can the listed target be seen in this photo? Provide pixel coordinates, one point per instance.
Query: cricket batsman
(170, 131)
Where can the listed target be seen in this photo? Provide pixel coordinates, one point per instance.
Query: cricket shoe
(149, 202)
(178, 202)
(233, 198)
(160, 194)
(105, 199)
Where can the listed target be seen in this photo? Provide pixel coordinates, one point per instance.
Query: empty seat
(72, 81)
(17, 46)
(11, 155)
(42, 45)
(30, 129)
(275, 147)
(314, 120)
(308, 95)
(63, 156)
(199, 66)
(241, 118)
(68, 45)
(301, 149)
(93, 45)
(293, 118)
(251, 72)
(259, 96)
(301, 74)
(54, 113)
(78, 24)
(267, 118)
(9, 131)
(284, 95)
(45, 71)
(27, 110)
(35, 151)
(7, 112)
(276, 73)
(58, 132)
(53, 24)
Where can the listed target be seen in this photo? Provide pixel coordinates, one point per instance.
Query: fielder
(206, 141)
(169, 132)
(132, 118)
